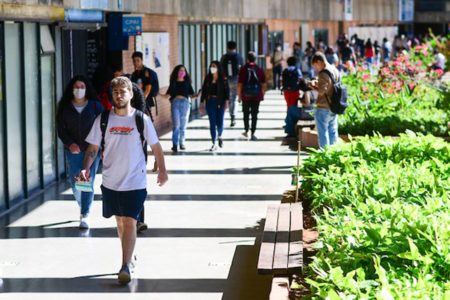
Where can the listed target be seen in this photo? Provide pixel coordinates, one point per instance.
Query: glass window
(14, 107)
(47, 44)
(32, 106)
(2, 118)
(48, 119)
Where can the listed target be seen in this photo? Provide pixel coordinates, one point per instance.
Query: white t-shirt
(440, 60)
(124, 167)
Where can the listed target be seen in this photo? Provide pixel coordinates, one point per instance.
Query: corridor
(204, 225)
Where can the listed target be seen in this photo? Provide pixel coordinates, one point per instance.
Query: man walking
(147, 80)
(231, 63)
(124, 168)
(251, 87)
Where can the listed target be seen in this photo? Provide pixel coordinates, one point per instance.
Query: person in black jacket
(76, 113)
(180, 91)
(215, 92)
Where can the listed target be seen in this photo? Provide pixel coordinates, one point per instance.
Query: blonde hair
(122, 82)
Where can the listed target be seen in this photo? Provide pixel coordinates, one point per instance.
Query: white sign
(348, 10)
(155, 47)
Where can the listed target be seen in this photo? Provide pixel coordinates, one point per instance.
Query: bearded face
(121, 97)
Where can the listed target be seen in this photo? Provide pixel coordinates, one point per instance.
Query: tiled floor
(205, 224)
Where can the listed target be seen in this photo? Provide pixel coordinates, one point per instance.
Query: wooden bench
(305, 124)
(281, 252)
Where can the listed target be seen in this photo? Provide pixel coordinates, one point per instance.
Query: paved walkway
(203, 226)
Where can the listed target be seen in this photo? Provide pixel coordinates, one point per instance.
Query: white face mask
(279, 48)
(79, 93)
(213, 70)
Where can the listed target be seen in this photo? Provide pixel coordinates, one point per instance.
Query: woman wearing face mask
(76, 113)
(215, 93)
(180, 89)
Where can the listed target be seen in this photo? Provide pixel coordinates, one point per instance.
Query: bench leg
(280, 288)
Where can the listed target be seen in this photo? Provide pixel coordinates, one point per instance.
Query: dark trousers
(215, 115)
(277, 76)
(250, 107)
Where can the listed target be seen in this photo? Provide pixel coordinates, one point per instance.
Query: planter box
(309, 138)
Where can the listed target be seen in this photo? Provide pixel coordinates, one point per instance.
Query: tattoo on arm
(92, 153)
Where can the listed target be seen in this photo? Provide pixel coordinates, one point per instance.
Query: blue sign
(131, 25)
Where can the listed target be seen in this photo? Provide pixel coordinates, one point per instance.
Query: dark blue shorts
(123, 203)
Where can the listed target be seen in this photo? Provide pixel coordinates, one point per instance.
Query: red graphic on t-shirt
(121, 130)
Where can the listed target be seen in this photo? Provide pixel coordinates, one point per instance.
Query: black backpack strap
(103, 124)
(140, 128)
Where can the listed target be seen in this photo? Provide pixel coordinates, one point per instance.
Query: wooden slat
(266, 253)
(280, 261)
(295, 260)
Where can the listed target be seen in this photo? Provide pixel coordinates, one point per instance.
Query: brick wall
(158, 23)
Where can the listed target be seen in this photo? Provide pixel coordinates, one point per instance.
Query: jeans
(180, 116)
(215, 115)
(277, 76)
(232, 83)
(75, 164)
(250, 107)
(294, 114)
(327, 126)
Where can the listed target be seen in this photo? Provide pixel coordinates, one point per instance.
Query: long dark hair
(67, 96)
(174, 74)
(209, 76)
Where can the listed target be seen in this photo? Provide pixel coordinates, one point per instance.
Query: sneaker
(141, 226)
(213, 147)
(245, 134)
(125, 272)
(84, 222)
(233, 122)
(220, 142)
(175, 148)
(182, 147)
(253, 138)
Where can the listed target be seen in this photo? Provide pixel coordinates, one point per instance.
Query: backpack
(139, 124)
(290, 80)
(230, 65)
(338, 101)
(252, 87)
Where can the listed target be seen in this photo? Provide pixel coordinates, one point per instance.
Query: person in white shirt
(124, 167)
(439, 62)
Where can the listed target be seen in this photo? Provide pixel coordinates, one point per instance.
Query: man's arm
(89, 157)
(147, 90)
(239, 91)
(159, 156)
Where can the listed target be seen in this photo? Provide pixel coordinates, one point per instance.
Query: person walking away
(215, 93)
(76, 113)
(251, 88)
(369, 54)
(326, 121)
(277, 66)
(231, 63)
(124, 168)
(180, 89)
(290, 80)
(147, 80)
